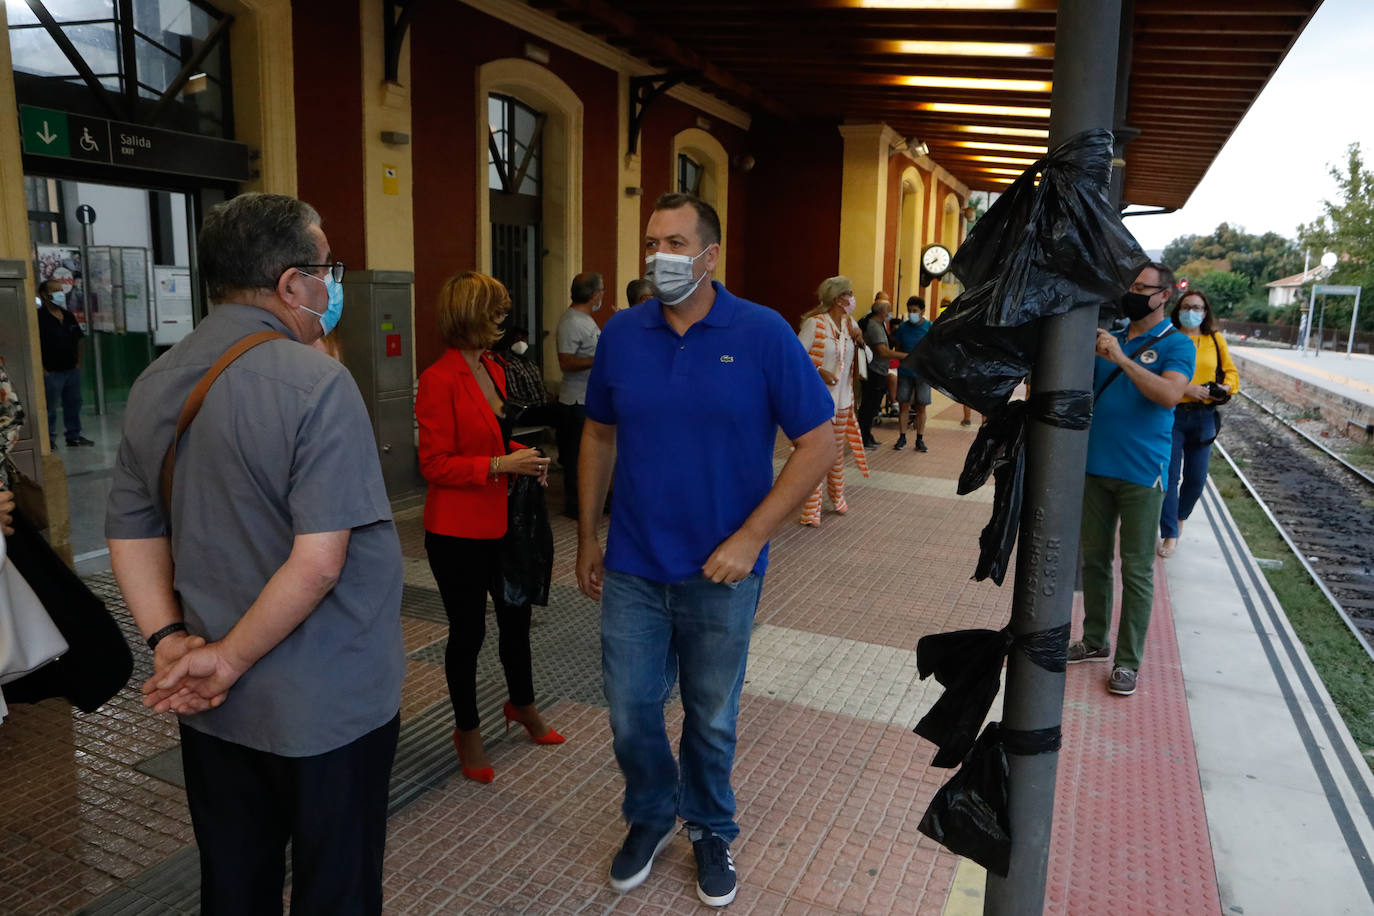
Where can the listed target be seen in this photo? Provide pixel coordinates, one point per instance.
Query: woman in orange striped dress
(833, 340)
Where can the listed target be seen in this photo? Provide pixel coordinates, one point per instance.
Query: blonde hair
(471, 307)
(826, 293)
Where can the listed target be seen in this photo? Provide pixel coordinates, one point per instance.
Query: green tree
(1259, 258)
(1346, 226)
(1225, 289)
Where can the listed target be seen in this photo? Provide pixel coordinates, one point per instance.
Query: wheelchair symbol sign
(88, 143)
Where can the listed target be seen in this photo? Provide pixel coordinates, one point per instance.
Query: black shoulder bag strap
(1221, 373)
(1139, 350)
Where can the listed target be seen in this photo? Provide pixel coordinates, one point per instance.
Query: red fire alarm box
(393, 345)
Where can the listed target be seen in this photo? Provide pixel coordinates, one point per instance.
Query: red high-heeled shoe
(476, 774)
(549, 737)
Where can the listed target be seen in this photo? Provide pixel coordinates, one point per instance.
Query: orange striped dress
(833, 349)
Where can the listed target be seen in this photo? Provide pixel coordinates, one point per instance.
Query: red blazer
(459, 435)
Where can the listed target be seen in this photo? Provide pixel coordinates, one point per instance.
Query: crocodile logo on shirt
(727, 359)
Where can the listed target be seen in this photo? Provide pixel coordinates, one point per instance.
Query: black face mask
(1135, 306)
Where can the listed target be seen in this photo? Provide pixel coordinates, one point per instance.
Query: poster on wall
(174, 315)
(100, 289)
(133, 264)
(63, 264)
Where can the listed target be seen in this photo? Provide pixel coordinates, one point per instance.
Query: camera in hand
(1218, 394)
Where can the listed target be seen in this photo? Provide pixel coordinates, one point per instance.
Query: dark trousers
(874, 387)
(467, 570)
(1194, 430)
(245, 805)
(64, 387)
(571, 418)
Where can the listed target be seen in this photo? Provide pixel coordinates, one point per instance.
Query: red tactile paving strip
(1130, 830)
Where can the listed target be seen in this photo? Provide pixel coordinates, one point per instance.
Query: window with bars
(136, 49)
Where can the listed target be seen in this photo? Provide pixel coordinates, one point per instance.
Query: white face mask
(519, 348)
(671, 274)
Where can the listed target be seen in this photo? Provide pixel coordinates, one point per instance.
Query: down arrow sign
(47, 136)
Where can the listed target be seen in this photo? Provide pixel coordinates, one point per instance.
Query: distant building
(1284, 291)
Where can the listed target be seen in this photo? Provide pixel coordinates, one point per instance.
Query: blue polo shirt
(696, 418)
(905, 339)
(1131, 436)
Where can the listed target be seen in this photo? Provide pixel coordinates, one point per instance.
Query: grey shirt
(875, 336)
(578, 334)
(281, 447)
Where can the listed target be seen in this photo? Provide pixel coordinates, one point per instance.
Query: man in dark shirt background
(60, 335)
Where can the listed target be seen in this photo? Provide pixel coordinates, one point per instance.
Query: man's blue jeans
(65, 387)
(695, 631)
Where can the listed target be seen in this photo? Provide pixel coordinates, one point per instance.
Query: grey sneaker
(1082, 652)
(631, 865)
(716, 884)
(1122, 682)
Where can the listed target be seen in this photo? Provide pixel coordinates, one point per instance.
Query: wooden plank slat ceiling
(1197, 67)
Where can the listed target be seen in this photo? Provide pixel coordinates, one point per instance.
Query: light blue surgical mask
(329, 318)
(673, 275)
(1190, 319)
(59, 299)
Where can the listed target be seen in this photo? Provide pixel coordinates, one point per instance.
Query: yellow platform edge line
(966, 892)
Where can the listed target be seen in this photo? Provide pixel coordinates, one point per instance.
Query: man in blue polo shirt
(684, 403)
(911, 388)
(1139, 376)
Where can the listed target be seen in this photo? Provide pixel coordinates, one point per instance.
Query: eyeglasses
(336, 270)
(1142, 287)
(1192, 308)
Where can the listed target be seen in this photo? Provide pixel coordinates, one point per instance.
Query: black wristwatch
(163, 633)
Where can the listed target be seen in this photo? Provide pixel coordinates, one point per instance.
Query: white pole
(1350, 343)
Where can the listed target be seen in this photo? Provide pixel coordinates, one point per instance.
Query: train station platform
(1226, 784)
(1340, 386)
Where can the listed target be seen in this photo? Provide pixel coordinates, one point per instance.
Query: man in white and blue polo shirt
(684, 402)
(1139, 376)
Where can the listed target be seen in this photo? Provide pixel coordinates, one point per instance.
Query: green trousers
(1105, 502)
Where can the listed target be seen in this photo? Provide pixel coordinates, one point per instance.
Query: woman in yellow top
(1195, 418)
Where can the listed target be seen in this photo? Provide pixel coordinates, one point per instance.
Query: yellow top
(1205, 368)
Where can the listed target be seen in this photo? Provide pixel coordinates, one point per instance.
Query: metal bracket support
(644, 91)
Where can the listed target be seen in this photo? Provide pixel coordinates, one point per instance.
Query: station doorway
(124, 258)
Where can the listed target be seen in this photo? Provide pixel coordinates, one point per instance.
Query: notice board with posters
(173, 310)
(100, 289)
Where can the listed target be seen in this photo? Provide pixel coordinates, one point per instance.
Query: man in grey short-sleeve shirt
(283, 656)
(578, 335)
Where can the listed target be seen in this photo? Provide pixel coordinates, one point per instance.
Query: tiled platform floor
(830, 781)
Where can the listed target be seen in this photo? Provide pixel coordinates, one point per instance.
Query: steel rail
(1311, 440)
(1297, 552)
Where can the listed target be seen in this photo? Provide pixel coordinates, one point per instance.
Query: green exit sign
(44, 131)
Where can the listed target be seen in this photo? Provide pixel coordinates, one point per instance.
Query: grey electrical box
(19, 363)
(375, 333)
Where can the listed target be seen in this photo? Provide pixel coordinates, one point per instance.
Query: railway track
(1323, 506)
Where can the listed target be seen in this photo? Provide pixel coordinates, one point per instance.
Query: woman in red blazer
(464, 433)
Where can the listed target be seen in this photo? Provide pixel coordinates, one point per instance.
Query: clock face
(935, 259)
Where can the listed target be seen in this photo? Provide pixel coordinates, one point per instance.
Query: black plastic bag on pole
(1053, 242)
(968, 664)
(968, 815)
(999, 449)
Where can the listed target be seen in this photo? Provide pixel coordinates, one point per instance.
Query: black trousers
(245, 805)
(467, 570)
(571, 419)
(874, 387)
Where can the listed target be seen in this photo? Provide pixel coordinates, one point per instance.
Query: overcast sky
(1273, 174)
